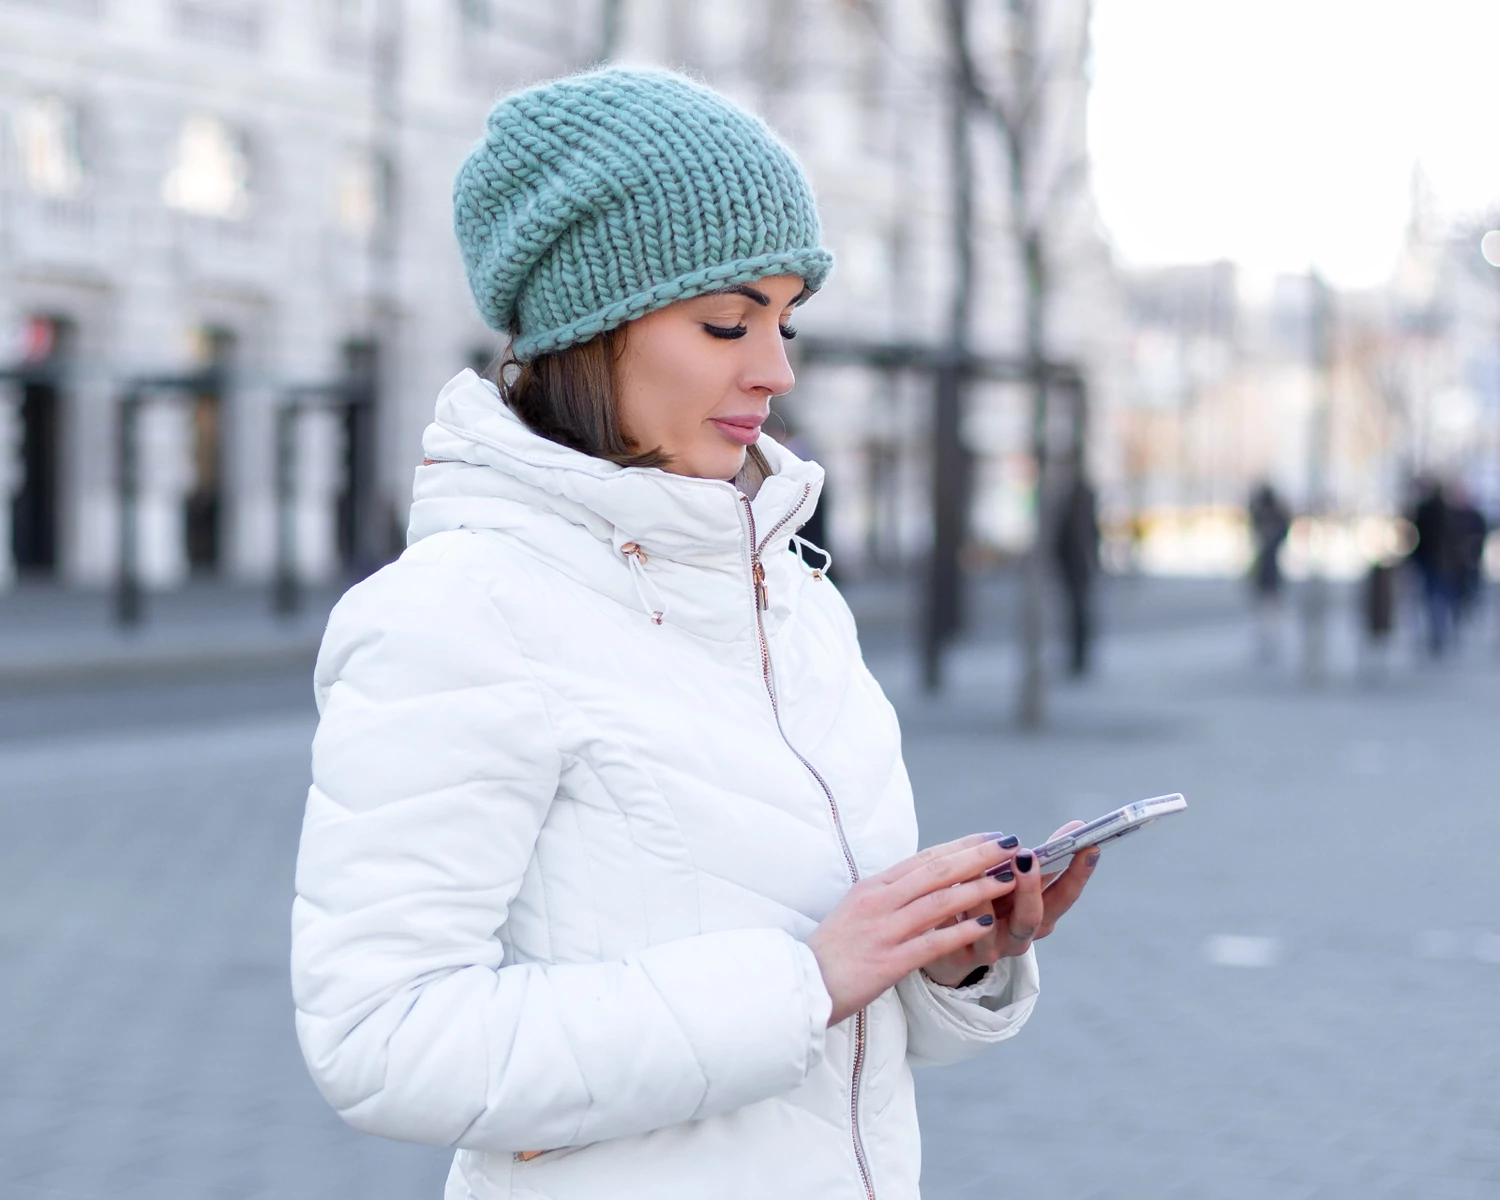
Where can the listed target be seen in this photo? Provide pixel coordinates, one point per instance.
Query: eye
(788, 332)
(728, 333)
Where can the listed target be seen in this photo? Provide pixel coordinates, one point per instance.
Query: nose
(768, 370)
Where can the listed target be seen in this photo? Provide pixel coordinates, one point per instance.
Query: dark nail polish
(1024, 861)
(1010, 843)
(994, 837)
(1003, 873)
(987, 919)
(1092, 859)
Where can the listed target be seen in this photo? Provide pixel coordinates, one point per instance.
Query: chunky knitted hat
(595, 199)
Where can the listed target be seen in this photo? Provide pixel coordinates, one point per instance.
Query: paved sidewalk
(52, 636)
(1288, 993)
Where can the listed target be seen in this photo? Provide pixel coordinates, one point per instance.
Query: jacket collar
(487, 470)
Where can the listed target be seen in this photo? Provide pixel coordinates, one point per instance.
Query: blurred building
(229, 204)
(1340, 399)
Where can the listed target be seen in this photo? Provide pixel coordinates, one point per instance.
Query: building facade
(237, 210)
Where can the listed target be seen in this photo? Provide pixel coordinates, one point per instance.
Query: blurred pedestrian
(1469, 531)
(570, 897)
(1270, 523)
(1379, 612)
(1435, 560)
(1076, 547)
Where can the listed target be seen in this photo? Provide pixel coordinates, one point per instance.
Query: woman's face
(695, 379)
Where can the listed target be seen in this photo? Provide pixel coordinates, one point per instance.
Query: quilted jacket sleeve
(434, 765)
(946, 1025)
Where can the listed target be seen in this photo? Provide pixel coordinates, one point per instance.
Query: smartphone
(1055, 855)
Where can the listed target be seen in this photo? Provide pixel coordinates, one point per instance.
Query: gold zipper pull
(762, 596)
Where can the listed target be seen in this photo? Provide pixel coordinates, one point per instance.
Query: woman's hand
(892, 923)
(1030, 911)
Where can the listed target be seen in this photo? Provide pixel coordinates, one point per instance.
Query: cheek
(667, 397)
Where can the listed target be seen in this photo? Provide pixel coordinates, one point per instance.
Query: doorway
(33, 529)
(204, 503)
(360, 365)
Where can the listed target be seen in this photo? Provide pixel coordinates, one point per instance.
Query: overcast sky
(1283, 133)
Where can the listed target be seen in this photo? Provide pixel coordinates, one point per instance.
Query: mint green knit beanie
(598, 198)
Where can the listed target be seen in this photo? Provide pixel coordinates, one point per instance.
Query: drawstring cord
(655, 606)
(803, 544)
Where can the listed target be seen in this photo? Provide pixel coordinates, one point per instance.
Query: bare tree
(1018, 101)
(950, 492)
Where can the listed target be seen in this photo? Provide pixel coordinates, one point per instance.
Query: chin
(717, 464)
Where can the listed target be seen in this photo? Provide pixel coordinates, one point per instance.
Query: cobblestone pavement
(1289, 992)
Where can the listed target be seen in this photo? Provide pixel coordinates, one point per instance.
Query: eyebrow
(743, 289)
(750, 293)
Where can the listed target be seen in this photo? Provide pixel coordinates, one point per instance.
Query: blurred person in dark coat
(1076, 546)
(1270, 522)
(1469, 530)
(1435, 560)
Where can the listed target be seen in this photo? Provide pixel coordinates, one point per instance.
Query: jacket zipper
(760, 598)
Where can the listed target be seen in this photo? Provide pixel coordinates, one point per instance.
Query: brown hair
(569, 397)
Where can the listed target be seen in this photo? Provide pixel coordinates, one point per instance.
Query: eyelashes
(730, 332)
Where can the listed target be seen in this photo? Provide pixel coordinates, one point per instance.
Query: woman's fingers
(937, 943)
(907, 865)
(1026, 908)
(925, 864)
(1066, 888)
(957, 866)
(935, 908)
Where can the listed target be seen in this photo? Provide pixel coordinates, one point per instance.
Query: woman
(607, 878)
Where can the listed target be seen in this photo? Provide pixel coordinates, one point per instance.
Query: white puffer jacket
(560, 855)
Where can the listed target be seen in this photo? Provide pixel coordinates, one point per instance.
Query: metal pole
(286, 595)
(1315, 595)
(942, 610)
(128, 599)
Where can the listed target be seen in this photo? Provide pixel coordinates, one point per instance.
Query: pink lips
(744, 430)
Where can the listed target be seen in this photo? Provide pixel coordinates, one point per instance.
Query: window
(50, 145)
(362, 196)
(235, 24)
(210, 176)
